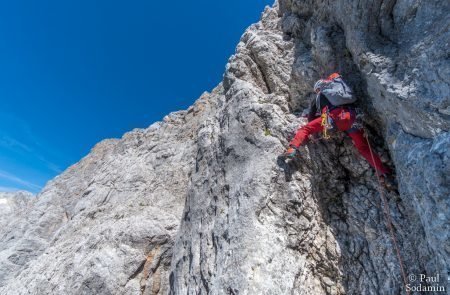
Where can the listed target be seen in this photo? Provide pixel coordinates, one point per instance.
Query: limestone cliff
(199, 203)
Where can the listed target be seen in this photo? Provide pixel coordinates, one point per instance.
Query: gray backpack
(337, 92)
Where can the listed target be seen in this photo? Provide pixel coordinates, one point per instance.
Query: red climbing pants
(344, 120)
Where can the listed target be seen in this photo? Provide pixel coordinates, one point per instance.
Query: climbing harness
(388, 218)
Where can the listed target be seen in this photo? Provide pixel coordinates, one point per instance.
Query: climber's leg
(361, 144)
(302, 134)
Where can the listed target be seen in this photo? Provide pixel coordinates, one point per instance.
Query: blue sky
(75, 72)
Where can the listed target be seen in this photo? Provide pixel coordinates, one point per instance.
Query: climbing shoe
(388, 182)
(290, 153)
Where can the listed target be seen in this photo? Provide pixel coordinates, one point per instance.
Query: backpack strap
(319, 109)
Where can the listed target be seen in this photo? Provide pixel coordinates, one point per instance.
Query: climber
(335, 101)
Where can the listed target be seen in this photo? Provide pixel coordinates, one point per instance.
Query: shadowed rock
(201, 204)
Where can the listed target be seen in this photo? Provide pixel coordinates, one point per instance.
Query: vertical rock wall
(199, 203)
(316, 226)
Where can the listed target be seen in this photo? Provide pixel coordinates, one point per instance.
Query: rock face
(106, 225)
(13, 204)
(13, 208)
(199, 203)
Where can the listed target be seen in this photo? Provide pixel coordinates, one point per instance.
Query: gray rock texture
(13, 209)
(13, 204)
(200, 204)
(106, 225)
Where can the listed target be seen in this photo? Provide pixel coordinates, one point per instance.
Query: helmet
(318, 85)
